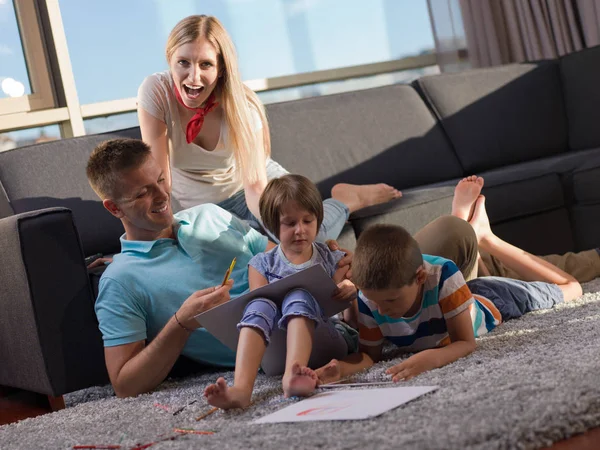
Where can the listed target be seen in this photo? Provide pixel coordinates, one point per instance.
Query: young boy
(422, 303)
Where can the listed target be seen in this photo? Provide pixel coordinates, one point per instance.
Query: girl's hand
(411, 367)
(345, 291)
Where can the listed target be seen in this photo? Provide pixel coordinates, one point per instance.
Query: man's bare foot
(481, 223)
(330, 372)
(301, 381)
(225, 397)
(356, 197)
(466, 192)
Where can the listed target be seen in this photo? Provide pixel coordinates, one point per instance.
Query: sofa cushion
(413, 211)
(377, 135)
(546, 233)
(501, 115)
(580, 72)
(53, 174)
(585, 226)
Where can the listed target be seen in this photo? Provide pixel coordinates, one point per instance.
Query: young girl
(209, 132)
(291, 209)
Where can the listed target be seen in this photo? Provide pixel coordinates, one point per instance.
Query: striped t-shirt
(445, 294)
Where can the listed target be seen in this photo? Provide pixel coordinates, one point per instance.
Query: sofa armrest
(49, 337)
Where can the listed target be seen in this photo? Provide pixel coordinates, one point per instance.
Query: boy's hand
(411, 367)
(345, 291)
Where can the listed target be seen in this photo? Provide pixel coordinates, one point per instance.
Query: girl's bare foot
(301, 381)
(356, 197)
(225, 397)
(330, 372)
(481, 223)
(466, 192)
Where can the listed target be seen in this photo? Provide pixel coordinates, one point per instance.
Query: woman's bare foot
(330, 372)
(225, 397)
(356, 197)
(481, 223)
(301, 381)
(466, 192)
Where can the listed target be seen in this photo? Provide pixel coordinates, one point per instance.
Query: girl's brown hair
(288, 188)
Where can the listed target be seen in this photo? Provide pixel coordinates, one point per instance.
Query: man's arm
(136, 368)
(460, 330)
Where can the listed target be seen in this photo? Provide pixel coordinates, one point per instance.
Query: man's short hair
(288, 188)
(386, 257)
(110, 159)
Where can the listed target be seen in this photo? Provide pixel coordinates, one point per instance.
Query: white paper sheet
(222, 320)
(353, 404)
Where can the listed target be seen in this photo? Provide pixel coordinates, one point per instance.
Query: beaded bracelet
(181, 325)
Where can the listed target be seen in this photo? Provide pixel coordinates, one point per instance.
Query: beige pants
(454, 239)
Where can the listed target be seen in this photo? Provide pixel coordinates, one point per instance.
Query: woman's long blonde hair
(237, 99)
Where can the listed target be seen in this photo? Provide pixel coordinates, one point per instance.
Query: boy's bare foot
(356, 197)
(225, 397)
(330, 372)
(301, 381)
(466, 192)
(481, 223)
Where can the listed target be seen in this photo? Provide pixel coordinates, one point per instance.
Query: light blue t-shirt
(149, 280)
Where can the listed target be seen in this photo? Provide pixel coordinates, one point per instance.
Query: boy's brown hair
(109, 160)
(386, 257)
(288, 188)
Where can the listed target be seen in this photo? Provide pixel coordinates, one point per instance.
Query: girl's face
(297, 228)
(195, 71)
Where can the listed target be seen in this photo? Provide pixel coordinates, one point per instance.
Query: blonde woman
(210, 134)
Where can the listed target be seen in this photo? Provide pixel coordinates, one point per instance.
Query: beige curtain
(505, 31)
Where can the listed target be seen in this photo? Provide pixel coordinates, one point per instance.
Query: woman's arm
(253, 191)
(154, 133)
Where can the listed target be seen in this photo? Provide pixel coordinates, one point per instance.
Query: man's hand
(346, 260)
(201, 301)
(99, 262)
(345, 291)
(413, 366)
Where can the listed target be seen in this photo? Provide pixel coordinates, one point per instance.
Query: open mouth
(160, 210)
(193, 92)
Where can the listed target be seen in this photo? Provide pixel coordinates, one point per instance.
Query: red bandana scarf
(195, 124)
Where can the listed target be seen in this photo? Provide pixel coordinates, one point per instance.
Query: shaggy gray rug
(531, 382)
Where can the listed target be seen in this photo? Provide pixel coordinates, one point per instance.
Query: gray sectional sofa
(530, 129)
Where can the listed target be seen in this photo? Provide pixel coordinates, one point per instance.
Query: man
(169, 270)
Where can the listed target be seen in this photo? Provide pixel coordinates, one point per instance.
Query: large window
(125, 41)
(24, 77)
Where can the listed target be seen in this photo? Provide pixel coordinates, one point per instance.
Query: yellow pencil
(228, 273)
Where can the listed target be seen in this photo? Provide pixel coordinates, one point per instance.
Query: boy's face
(144, 205)
(398, 302)
(297, 228)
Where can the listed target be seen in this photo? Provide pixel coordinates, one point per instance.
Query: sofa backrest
(501, 115)
(580, 72)
(53, 174)
(381, 135)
